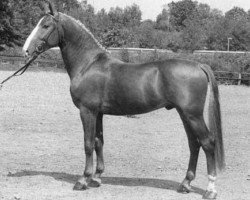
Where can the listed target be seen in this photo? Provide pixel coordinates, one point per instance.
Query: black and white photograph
(124, 99)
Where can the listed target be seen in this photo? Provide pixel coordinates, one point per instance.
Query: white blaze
(31, 36)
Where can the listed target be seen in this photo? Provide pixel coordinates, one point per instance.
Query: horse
(103, 85)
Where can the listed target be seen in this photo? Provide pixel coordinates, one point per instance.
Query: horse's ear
(50, 8)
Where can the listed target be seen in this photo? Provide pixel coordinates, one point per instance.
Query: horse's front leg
(96, 181)
(89, 125)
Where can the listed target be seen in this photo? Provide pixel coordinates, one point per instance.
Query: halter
(40, 48)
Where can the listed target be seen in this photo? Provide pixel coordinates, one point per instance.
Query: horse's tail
(214, 118)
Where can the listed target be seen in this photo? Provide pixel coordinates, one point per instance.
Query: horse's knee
(98, 143)
(89, 147)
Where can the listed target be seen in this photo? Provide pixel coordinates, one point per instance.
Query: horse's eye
(45, 26)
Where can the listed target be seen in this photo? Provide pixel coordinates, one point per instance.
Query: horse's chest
(87, 92)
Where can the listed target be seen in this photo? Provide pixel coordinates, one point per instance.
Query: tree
(241, 36)
(118, 27)
(248, 15)
(235, 14)
(70, 7)
(132, 16)
(102, 19)
(197, 27)
(128, 17)
(25, 16)
(162, 20)
(102, 24)
(146, 34)
(179, 12)
(238, 27)
(194, 35)
(217, 35)
(88, 17)
(113, 38)
(175, 41)
(116, 17)
(8, 35)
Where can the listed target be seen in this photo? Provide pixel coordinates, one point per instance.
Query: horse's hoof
(184, 189)
(209, 195)
(95, 182)
(80, 186)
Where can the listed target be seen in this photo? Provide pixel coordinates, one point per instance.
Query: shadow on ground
(123, 181)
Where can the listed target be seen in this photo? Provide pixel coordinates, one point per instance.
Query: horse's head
(45, 35)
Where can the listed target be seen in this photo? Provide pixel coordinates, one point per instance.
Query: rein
(20, 71)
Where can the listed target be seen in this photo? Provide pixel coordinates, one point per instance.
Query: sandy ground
(42, 154)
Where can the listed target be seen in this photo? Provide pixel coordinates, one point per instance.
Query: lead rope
(20, 71)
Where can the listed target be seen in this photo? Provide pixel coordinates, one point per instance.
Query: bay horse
(101, 84)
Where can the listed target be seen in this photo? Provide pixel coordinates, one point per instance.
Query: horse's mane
(85, 29)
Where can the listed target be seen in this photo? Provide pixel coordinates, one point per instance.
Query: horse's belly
(130, 105)
(128, 110)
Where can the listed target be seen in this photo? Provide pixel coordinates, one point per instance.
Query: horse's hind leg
(96, 181)
(194, 147)
(197, 128)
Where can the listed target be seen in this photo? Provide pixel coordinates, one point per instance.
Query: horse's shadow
(147, 182)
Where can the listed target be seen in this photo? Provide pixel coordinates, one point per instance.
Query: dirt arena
(146, 157)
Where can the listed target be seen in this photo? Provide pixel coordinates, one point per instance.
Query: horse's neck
(79, 47)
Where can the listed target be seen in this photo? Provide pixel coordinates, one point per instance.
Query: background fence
(229, 68)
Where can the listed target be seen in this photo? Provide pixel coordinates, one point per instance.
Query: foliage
(113, 38)
(124, 55)
(132, 16)
(146, 33)
(8, 33)
(238, 27)
(162, 20)
(87, 16)
(179, 12)
(25, 18)
(235, 14)
(184, 25)
(197, 26)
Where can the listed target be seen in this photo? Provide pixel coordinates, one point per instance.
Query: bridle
(39, 49)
